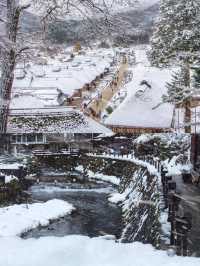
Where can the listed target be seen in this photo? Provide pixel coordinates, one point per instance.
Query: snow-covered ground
(143, 107)
(16, 219)
(84, 251)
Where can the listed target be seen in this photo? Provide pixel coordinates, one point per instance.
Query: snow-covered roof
(65, 76)
(32, 97)
(53, 120)
(143, 106)
(26, 101)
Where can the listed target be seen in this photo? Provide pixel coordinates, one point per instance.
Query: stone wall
(141, 207)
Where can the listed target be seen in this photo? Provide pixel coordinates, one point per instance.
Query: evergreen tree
(177, 39)
(176, 34)
(177, 93)
(196, 78)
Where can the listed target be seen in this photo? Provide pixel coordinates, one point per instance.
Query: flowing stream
(94, 214)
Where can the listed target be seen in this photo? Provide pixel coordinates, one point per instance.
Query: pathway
(190, 203)
(99, 104)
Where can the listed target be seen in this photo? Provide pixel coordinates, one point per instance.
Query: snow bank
(99, 176)
(16, 219)
(84, 251)
(107, 178)
(117, 197)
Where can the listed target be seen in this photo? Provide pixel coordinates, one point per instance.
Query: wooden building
(137, 130)
(195, 151)
(52, 129)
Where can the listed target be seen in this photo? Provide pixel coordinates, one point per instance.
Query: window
(24, 138)
(13, 139)
(18, 139)
(31, 138)
(39, 138)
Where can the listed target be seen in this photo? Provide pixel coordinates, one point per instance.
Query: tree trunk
(187, 102)
(6, 86)
(187, 116)
(8, 65)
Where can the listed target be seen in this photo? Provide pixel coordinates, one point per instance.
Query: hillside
(132, 26)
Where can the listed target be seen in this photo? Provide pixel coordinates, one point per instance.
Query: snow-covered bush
(164, 146)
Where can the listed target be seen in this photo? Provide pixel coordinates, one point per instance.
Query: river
(94, 214)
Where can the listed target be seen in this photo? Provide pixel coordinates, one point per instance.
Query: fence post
(2, 179)
(174, 201)
(159, 166)
(182, 226)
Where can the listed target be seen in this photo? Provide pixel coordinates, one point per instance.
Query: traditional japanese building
(52, 129)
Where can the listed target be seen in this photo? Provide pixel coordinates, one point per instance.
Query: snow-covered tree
(176, 39)
(177, 93)
(175, 90)
(196, 77)
(9, 52)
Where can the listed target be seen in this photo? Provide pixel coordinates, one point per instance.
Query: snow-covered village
(99, 132)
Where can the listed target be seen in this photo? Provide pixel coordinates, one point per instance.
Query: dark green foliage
(11, 192)
(164, 146)
(15, 189)
(196, 77)
(176, 35)
(177, 92)
(109, 110)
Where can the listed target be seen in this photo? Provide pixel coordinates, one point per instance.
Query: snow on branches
(176, 35)
(176, 39)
